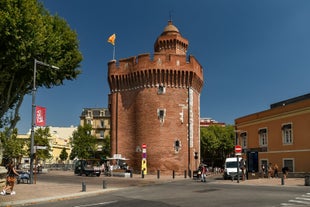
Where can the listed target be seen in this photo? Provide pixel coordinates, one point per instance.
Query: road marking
(97, 204)
(296, 201)
(306, 199)
(302, 200)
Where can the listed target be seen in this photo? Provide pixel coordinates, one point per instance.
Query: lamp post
(33, 115)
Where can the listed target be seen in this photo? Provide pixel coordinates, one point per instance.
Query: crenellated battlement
(160, 70)
(157, 61)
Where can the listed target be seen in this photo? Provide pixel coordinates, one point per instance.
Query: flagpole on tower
(113, 52)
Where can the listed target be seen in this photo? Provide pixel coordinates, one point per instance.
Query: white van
(230, 168)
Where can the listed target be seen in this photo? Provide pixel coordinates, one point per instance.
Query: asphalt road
(190, 193)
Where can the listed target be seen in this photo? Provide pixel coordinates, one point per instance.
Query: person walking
(276, 170)
(203, 173)
(10, 179)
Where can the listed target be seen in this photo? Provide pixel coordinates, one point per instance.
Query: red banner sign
(40, 116)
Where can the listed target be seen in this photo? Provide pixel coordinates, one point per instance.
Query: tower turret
(170, 41)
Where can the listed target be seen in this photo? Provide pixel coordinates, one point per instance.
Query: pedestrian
(285, 172)
(276, 170)
(10, 179)
(243, 168)
(270, 170)
(203, 173)
(263, 170)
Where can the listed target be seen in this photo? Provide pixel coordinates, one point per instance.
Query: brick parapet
(170, 70)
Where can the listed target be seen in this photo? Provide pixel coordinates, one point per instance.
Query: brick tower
(155, 100)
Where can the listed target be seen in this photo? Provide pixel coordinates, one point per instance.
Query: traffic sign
(238, 149)
(144, 146)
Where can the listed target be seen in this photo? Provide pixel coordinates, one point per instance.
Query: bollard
(282, 181)
(158, 174)
(173, 174)
(104, 185)
(131, 173)
(142, 174)
(184, 173)
(307, 180)
(83, 187)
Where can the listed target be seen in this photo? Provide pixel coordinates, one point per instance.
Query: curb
(54, 198)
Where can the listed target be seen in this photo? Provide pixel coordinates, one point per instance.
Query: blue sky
(254, 53)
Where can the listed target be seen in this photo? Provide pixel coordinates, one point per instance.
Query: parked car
(89, 167)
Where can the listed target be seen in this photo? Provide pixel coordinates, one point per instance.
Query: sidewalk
(47, 190)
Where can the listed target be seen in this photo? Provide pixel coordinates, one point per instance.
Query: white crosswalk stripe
(303, 200)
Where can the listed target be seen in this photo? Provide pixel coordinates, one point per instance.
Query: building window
(88, 121)
(289, 162)
(177, 145)
(244, 140)
(102, 123)
(101, 134)
(161, 113)
(263, 139)
(287, 135)
(161, 90)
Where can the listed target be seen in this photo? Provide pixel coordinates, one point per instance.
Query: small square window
(161, 90)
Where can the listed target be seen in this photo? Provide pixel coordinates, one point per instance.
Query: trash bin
(307, 180)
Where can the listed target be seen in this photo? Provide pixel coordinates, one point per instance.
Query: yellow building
(99, 119)
(280, 135)
(60, 138)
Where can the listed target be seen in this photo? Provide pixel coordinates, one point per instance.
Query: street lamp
(33, 115)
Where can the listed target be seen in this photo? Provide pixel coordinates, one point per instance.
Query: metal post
(83, 187)
(237, 168)
(173, 174)
(33, 108)
(33, 115)
(158, 174)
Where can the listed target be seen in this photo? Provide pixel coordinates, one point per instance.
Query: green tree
(216, 143)
(28, 32)
(83, 143)
(63, 154)
(11, 146)
(41, 138)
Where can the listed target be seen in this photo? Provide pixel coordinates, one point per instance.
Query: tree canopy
(28, 32)
(216, 143)
(10, 146)
(83, 143)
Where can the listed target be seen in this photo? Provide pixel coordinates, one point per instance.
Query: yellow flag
(112, 39)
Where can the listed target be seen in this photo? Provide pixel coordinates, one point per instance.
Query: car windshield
(231, 164)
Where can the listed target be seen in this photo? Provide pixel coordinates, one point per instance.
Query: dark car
(87, 167)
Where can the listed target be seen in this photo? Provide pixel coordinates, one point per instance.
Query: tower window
(161, 90)
(161, 113)
(177, 145)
